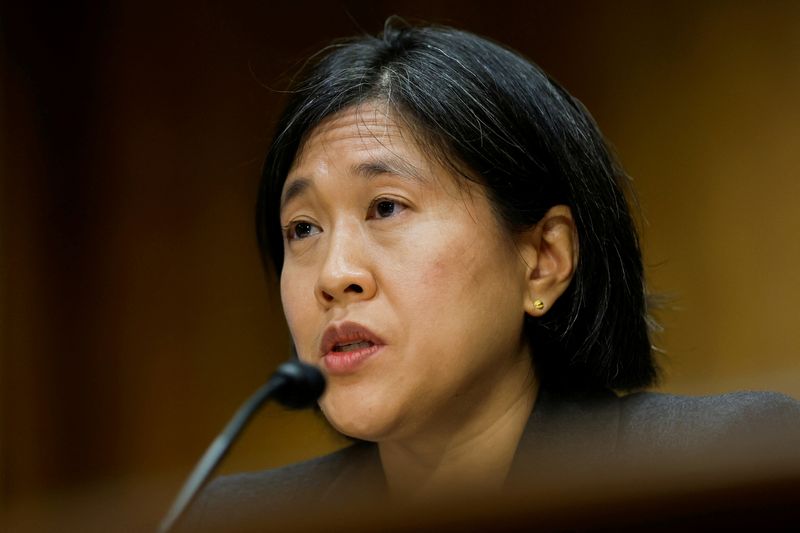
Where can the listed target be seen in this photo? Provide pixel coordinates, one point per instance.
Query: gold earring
(538, 305)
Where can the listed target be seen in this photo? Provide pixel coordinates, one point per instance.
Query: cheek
(293, 308)
(454, 269)
(287, 296)
(424, 275)
(471, 281)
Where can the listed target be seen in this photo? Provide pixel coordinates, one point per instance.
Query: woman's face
(398, 281)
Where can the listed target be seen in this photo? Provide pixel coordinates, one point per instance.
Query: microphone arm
(294, 384)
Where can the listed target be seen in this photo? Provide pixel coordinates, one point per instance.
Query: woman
(456, 253)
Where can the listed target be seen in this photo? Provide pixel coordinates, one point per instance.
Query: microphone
(294, 384)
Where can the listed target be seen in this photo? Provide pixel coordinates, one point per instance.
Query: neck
(472, 450)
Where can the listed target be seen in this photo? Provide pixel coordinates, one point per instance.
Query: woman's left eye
(385, 208)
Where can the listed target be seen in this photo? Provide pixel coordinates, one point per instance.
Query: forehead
(358, 132)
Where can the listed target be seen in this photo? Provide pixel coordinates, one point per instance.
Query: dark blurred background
(134, 314)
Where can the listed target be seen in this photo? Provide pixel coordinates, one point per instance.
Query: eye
(296, 231)
(385, 208)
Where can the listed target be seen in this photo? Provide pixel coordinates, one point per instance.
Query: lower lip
(341, 363)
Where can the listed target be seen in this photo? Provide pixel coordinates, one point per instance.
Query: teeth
(352, 346)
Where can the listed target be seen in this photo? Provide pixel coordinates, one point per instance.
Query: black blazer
(565, 435)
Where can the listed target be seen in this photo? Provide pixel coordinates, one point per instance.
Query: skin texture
(378, 234)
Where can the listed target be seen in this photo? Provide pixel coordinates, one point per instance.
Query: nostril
(354, 288)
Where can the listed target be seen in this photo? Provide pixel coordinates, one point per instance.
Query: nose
(346, 275)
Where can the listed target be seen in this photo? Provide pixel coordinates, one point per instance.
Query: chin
(357, 422)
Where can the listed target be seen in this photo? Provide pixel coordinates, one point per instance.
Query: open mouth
(352, 346)
(346, 346)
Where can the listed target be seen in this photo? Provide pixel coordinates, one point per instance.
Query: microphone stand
(280, 385)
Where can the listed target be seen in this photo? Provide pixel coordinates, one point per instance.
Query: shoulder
(712, 412)
(673, 422)
(256, 494)
(283, 480)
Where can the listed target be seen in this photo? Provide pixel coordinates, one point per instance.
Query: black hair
(497, 118)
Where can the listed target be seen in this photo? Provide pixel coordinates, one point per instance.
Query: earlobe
(550, 252)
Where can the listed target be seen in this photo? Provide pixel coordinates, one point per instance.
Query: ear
(550, 252)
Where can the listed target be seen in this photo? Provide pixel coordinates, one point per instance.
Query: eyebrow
(395, 166)
(295, 189)
(367, 169)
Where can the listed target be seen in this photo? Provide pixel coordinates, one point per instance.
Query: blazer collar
(571, 432)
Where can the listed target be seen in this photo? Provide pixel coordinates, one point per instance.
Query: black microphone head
(302, 386)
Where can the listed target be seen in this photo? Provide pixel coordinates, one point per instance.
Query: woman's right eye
(300, 230)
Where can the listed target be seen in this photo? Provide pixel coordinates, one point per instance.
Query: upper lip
(346, 332)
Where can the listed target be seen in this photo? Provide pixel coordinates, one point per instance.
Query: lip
(340, 363)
